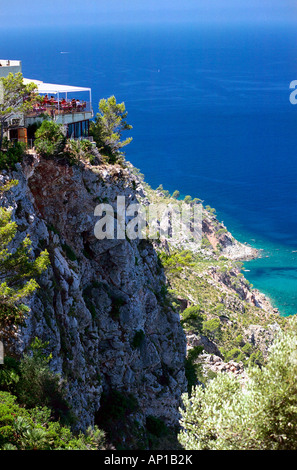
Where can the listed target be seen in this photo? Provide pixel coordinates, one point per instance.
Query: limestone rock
(97, 295)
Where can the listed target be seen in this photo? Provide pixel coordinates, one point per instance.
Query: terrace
(57, 103)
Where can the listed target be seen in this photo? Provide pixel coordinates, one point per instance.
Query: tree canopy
(18, 98)
(108, 127)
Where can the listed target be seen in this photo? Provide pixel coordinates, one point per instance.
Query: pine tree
(107, 129)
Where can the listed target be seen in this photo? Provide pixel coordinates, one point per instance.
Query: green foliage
(116, 416)
(9, 374)
(234, 354)
(261, 415)
(211, 328)
(209, 209)
(221, 231)
(8, 185)
(17, 272)
(34, 429)
(38, 385)
(205, 243)
(12, 154)
(80, 150)
(108, 127)
(192, 318)
(177, 261)
(50, 140)
(176, 194)
(256, 358)
(194, 352)
(247, 349)
(188, 199)
(18, 98)
(239, 340)
(193, 370)
(35, 414)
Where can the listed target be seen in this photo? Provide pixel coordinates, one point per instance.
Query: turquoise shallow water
(275, 274)
(275, 271)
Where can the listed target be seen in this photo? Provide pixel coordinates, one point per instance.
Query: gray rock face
(216, 365)
(101, 302)
(262, 337)
(199, 340)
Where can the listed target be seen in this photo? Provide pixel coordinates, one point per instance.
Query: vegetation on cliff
(259, 415)
(34, 412)
(18, 271)
(107, 129)
(221, 316)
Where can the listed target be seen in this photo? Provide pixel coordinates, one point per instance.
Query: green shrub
(257, 415)
(239, 340)
(38, 385)
(80, 150)
(12, 155)
(188, 199)
(211, 327)
(194, 352)
(34, 429)
(256, 358)
(176, 194)
(192, 318)
(234, 354)
(177, 261)
(193, 371)
(205, 243)
(50, 139)
(247, 349)
(9, 374)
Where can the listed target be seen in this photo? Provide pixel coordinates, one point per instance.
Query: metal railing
(30, 142)
(57, 108)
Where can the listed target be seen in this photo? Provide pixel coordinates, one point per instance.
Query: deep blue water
(211, 117)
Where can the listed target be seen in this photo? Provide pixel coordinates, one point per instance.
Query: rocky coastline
(110, 310)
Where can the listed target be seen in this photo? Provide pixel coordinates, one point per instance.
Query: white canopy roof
(55, 88)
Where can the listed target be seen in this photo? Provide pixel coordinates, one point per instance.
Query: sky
(34, 13)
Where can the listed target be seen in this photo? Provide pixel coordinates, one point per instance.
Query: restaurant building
(68, 105)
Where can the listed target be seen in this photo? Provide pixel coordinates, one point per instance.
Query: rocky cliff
(103, 305)
(100, 304)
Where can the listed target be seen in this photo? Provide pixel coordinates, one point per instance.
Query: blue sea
(211, 117)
